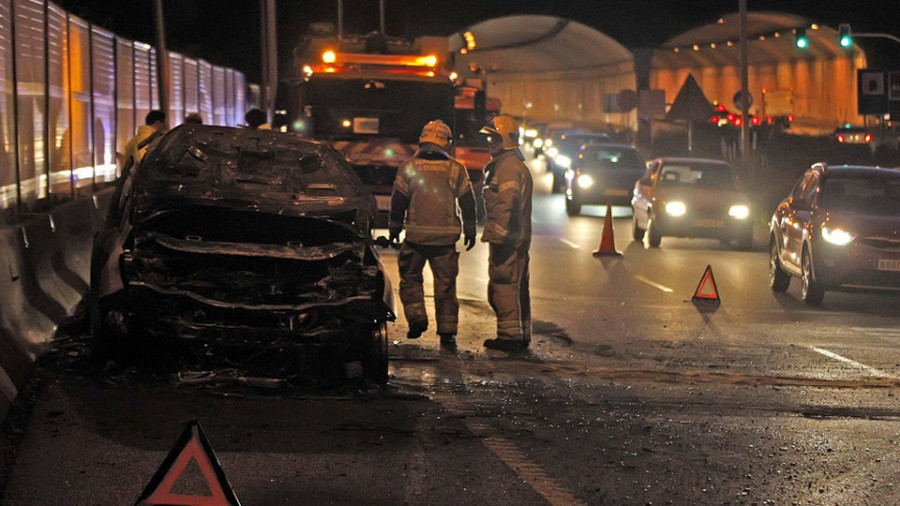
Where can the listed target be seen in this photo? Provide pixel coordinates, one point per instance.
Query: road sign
(872, 96)
(737, 100)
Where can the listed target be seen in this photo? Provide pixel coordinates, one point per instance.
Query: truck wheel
(375, 362)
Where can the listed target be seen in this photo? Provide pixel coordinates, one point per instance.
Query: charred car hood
(250, 170)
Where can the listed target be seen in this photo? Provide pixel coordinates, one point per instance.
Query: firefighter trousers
(508, 291)
(444, 263)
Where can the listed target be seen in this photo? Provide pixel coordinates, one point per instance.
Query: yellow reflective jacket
(507, 199)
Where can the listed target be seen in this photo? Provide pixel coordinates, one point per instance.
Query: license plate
(618, 193)
(384, 202)
(709, 223)
(888, 264)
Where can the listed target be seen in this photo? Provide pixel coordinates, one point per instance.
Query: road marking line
(873, 331)
(570, 243)
(658, 286)
(511, 456)
(854, 363)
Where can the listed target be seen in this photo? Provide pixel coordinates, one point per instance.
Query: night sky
(226, 32)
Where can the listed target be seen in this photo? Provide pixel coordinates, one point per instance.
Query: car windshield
(866, 195)
(614, 158)
(715, 176)
(571, 142)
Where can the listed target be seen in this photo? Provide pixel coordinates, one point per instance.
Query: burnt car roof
(256, 170)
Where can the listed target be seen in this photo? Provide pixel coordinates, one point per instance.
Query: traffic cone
(608, 241)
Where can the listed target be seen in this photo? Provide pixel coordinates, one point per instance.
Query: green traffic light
(801, 40)
(845, 41)
(802, 43)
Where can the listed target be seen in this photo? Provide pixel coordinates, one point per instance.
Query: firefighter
(507, 229)
(430, 191)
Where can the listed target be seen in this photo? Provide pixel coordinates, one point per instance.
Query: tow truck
(371, 108)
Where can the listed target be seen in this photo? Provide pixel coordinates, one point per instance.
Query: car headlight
(531, 132)
(836, 236)
(675, 208)
(563, 161)
(537, 143)
(548, 142)
(585, 181)
(739, 211)
(553, 152)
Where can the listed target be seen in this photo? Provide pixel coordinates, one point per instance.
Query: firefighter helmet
(436, 132)
(507, 128)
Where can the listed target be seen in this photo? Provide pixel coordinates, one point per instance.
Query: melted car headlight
(553, 152)
(739, 211)
(563, 161)
(585, 181)
(836, 236)
(675, 208)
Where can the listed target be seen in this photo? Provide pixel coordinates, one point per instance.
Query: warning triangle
(192, 447)
(706, 290)
(690, 103)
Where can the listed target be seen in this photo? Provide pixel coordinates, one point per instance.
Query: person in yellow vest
(507, 229)
(154, 126)
(430, 192)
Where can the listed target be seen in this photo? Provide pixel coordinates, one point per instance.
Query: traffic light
(844, 35)
(800, 38)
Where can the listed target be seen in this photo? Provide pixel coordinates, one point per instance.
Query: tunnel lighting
(675, 208)
(346, 123)
(470, 40)
(836, 236)
(739, 211)
(453, 76)
(329, 57)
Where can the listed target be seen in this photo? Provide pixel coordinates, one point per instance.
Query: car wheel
(654, 237)
(636, 232)
(810, 290)
(779, 281)
(375, 365)
(572, 208)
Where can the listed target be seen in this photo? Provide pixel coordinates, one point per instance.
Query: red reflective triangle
(706, 290)
(191, 446)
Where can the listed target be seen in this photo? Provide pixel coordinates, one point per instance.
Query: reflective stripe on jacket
(432, 187)
(507, 199)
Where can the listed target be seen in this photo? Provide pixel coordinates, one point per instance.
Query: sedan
(562, 152)
(691, 197)
(242, 239)
(839, 229)
(603, 174)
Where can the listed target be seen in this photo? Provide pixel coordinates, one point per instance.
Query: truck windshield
(361, 107)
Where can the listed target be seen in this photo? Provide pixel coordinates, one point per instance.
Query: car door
(643, 194)
(796, 220)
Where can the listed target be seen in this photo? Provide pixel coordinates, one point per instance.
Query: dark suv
(839, 229)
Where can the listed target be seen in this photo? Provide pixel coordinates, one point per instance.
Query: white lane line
(854, 363)
(658, 286)
(874, 331)
(570, 243)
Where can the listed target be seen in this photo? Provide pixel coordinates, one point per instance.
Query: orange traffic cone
(608, 241)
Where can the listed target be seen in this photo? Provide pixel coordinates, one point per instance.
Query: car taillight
(841, 138)
(714, 120)
(770, 120)
(754, 120)
(868, 137)
(738, 121)
(790, 118)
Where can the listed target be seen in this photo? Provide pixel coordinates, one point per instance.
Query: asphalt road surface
(630, 394)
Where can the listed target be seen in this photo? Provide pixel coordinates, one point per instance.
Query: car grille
(881, 243)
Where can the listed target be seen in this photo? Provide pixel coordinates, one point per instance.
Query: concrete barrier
(44, 273)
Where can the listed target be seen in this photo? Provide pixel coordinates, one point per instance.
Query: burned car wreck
(242, 238)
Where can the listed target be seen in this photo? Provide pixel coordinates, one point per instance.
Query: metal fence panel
(142, 101)
(125, 124)
(30, 66)
(191, 87)
(176, 90)
(58, 115)
(80, 105)
(206, 99)
(218, 94)
(104, 105)
(7, 119)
